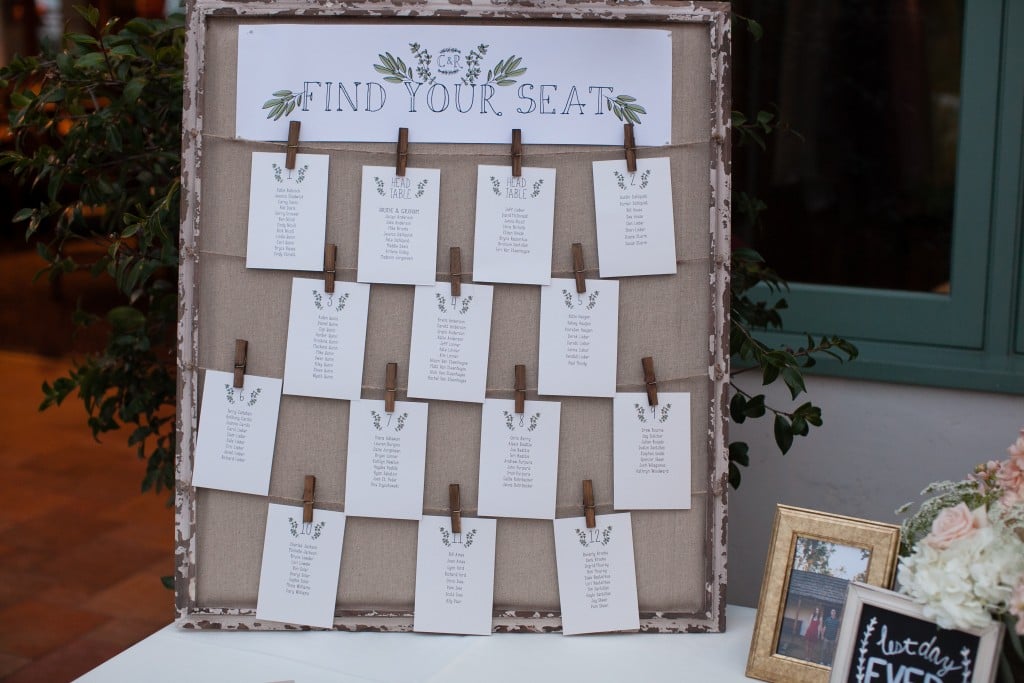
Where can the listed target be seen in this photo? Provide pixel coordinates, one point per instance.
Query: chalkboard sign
(886, 638)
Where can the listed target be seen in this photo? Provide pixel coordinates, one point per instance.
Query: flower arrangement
(964, 549)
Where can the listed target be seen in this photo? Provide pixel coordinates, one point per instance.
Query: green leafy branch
(282, 103)
(505, 72)
(625, 108)
(394, 69)
(749, 271)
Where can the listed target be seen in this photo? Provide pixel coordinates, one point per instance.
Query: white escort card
(287, 212)
(386, 457)
(651, 457)
(515, 219)
(300, 567)
(596, 574)
(451, 341)
(237, 429)
(326, 339)
(398, 225)
(454, 576)
(578, 338)
(519, 459)
(635, 228)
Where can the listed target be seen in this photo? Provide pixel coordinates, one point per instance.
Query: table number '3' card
(237, 429)
(287, 212)
(455, 576)
(596, 574)
(300, 566)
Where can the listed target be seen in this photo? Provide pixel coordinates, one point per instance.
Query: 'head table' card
(519, 459)
(635, 229)
(451, 341)
(287, 212)
(652, 452)
(386, 456)
(515, 219)
(300, 567)
(578, 338)
(237, 429)
(326, 339)
(454, 576)
(596, 574)
(398, 225)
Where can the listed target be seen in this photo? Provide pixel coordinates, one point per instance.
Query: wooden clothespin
(241, 353)
(455, 270)
(330, 257)
(307, 499)
(390, 379)
(403, 152)
(517, 152)
(650, 381)
(588, 503)
(293, 144)
(577, 267)
(629, 142)
(455, 505)
(520, 389)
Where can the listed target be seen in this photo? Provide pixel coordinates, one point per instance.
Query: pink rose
(1017, 605)
(1016, 449)
(1010, 478)
(954, 524)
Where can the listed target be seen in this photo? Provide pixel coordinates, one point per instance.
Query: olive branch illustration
(279, 173)
(605, 538)
(282, 103)
(253, 396)
(421, 187)
(379, 426)
(625, 108)
(442, 304)
(294, 528)
(510, 417)
(496, 186)
(380, 185)
(591, 300)
(318, 301)
(536, 188)
(467, 538)
(662, 413)
(620, 179)
(395, 70)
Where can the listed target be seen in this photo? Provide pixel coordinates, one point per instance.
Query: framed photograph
(812, 559)
(886, 637)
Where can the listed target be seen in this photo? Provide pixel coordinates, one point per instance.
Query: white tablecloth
(176, 655)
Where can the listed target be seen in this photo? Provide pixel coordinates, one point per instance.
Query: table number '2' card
(326, 339)
(287, 212)
(635, 228)
(398, 225)
(237, 429)
(300, 566)
(596, 574)
(455, 576)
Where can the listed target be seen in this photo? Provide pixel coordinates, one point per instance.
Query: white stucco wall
(879, 446)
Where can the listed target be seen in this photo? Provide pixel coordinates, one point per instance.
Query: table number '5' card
(578, 338)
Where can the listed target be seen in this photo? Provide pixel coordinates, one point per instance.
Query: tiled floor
(81, 550)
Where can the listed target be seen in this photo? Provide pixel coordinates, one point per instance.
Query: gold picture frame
(812, 558)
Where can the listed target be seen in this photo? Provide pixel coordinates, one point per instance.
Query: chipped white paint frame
(715, 16)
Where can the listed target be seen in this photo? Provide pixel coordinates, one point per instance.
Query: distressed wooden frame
(715, 17)
(882, 540)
